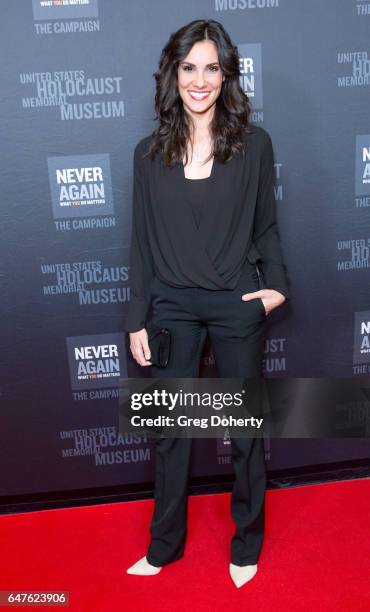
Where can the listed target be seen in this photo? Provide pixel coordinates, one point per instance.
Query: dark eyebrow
(190, 64)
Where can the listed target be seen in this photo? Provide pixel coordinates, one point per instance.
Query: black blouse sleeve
(141, 263)
(265, 236)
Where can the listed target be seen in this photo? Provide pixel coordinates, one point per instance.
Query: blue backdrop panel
(77, 95)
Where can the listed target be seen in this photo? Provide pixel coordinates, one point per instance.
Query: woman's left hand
(270, 298)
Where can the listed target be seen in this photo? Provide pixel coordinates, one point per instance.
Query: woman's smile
(199, 95)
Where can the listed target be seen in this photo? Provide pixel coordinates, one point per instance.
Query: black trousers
(236, 331)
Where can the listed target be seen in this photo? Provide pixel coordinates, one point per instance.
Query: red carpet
(316, 553)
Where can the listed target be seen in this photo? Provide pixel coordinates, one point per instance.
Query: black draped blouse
(199, 232)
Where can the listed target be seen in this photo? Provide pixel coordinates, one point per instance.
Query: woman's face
(200, 77)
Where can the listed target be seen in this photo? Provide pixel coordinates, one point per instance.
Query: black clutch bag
(159, 339)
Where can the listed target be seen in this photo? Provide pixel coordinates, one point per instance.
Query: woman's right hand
(140, 347)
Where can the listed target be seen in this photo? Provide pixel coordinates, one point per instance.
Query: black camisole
(197, 193)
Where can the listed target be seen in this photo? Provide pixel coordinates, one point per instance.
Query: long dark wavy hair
(230, 124)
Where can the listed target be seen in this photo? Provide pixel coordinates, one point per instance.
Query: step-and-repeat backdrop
(77, 94)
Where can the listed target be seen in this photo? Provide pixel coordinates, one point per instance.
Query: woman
(203, 215)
